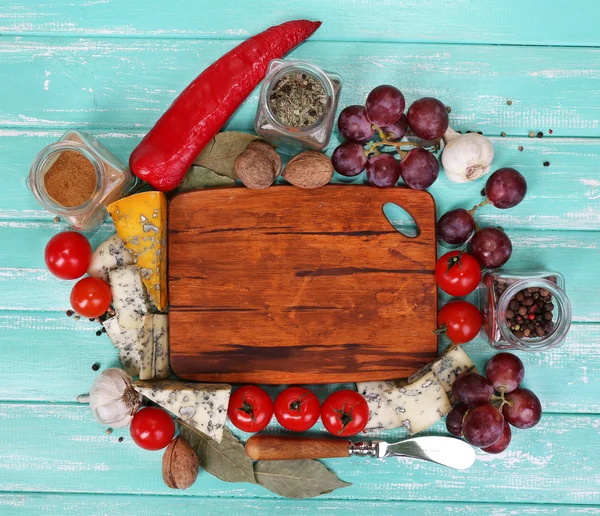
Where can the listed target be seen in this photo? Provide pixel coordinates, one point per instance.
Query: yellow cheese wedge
(141, 221)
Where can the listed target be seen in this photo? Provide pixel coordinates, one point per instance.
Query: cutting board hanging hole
(401, 220)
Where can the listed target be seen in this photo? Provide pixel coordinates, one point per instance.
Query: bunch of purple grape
(481, 416)
(492, 248)
(383, 117)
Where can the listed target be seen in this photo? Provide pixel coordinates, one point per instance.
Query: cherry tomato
(250, 408)
(297, 409)
(91, 297)
(460, 320)
(345, 413)
(152, 428)
(68, 255)
(457, 273)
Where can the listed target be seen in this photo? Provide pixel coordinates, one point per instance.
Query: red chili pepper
(166, 153)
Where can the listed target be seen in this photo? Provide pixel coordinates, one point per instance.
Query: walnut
(258, 166)
(309, 169)
(179, 464)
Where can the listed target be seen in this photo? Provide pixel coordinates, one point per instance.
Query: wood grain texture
(302, 286)
(535, 22)
(116, 83)
(274, 447)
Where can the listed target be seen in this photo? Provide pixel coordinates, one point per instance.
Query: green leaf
(296, 478)
(222, 150)
(198, 178)
(226, 460)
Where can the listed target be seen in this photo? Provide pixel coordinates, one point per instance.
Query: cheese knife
(447, 451)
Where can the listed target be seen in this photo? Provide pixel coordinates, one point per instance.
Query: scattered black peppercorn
(449, 109)
(540, 134)
(98, 333)
(503, 134)
(95, 366)
(546, 163)
(120, 439)
(70, 313)
(509, 102)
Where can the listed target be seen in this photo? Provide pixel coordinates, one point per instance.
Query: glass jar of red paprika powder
(525, 310)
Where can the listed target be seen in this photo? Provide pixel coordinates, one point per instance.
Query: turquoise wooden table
(112, 66)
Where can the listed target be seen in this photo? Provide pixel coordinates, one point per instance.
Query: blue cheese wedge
(124, 341)
(420, 404)
(203, 406)
(160, 337)
(448, 366)
(381, 413)
(144, 347)
(110, 254)
(129, 296)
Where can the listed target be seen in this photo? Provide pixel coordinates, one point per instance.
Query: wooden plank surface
(300, 286)
(112, 66)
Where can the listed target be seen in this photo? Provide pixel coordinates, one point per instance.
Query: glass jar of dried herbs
(297, 105)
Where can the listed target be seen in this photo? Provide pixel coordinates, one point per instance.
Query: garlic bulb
(113, 399)
(466, 157)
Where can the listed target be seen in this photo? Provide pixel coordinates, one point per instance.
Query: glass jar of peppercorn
(524, 309)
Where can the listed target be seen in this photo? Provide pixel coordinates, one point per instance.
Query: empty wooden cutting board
(289, 285)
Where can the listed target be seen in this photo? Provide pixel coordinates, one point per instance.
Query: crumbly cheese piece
(421, 404)
(129, 296)
(141, 221)
(451, 364)
(381, 413)
(124, 341)
(144, 347)
(204, 406)
(160, 336)
(109, 255)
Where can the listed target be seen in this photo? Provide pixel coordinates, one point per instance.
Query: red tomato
(250, 408)
(345, 413)
(91, 297)
(152, 428)
(68, 255)
(297, 409)
(460, 320)
(457, 273)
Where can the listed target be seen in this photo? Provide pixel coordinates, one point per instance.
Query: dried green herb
(226, 460)
(298, 99)
(198, 178)
(222, 150)
(297, 478)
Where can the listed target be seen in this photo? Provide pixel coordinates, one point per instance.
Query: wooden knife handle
(273, 447)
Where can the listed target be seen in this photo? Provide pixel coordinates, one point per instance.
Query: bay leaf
(221, 151)
(226, 460)
(198, 178)
(296, 478)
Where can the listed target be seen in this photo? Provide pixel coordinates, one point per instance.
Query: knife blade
(447, 451)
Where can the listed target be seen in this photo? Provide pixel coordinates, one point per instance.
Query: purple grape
(385, 104)
(419, 169)
(454, 420)
(354, 125)
(506, 188)
(428, 118)
(396, 131)
(483, 426)
(505, 371)
(456, 226)
(523, 409)
(383, 170)
(491, 247)
(349, 159)
(472, 389)
(501, 444)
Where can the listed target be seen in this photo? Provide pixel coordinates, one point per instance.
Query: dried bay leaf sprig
(226, 460)
(198, 178)
(222, 150)
(297, 478)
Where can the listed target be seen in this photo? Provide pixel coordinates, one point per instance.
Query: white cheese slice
(160, 336)
(129, 296)
(110, 254)
(381, 413)
(124, 341)
(421, 404)
(450, 365)
(203, 406)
